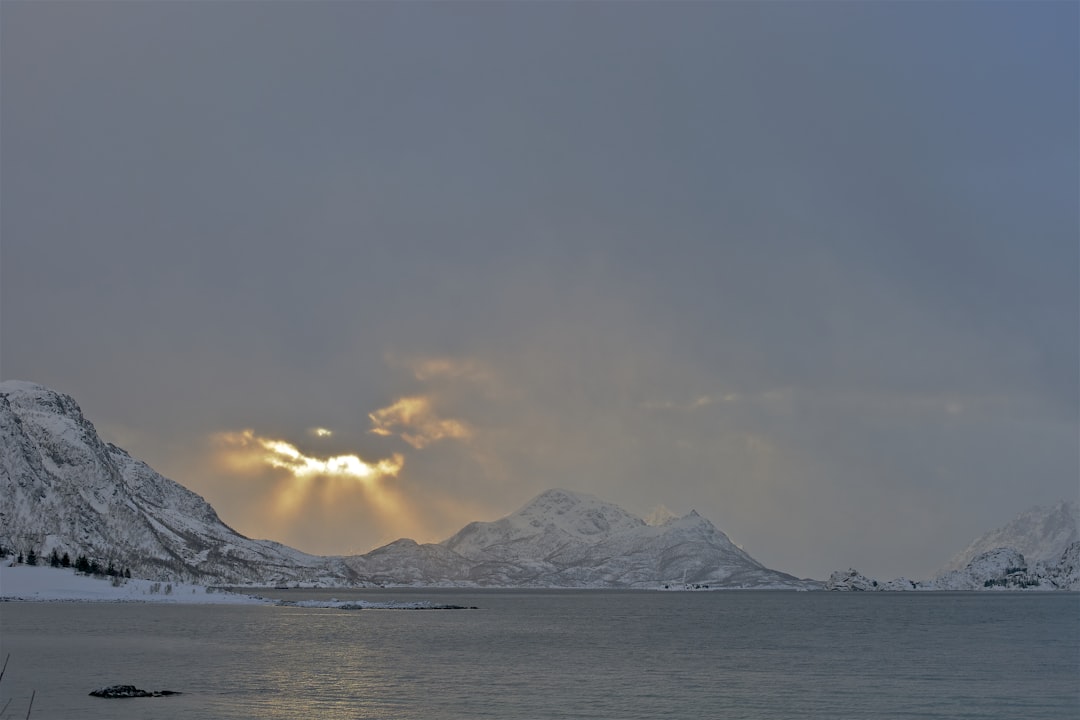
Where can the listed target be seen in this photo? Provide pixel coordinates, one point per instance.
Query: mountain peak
(560, 496)
(32, 397)
(556, 502)
(566, 513)
(24, 386)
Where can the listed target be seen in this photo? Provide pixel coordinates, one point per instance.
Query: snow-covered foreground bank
(47, 584)
(44, 583)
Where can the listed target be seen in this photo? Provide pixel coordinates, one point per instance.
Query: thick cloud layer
(810, 269)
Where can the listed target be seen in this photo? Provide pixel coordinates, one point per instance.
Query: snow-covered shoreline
(1003, 568)
(42, 583)
(24, 583)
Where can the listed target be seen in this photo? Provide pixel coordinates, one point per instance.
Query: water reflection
(542, 655)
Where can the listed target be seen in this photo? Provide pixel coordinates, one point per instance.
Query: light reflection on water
(541, 655)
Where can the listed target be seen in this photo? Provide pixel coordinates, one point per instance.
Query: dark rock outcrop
(129, 691)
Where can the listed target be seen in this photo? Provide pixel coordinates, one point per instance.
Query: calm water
(552, 654)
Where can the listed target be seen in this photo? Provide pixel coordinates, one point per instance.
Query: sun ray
(310, 479)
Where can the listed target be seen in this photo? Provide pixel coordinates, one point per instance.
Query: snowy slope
(406, 562)
(1040, 534)
(62, 487)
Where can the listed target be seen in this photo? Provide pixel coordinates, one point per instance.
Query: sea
(541, 655)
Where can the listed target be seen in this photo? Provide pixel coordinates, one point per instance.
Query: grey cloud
(217, 216)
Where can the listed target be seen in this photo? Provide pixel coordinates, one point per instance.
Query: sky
(357, 271)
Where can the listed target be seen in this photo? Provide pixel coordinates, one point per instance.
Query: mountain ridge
(62, 487)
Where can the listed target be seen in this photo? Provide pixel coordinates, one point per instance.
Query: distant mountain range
(63, 488)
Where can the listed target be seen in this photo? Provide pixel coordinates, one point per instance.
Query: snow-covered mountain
(568, 539)
(1039, 549)
(62, 488)
(1002, 568)
(1040, 534)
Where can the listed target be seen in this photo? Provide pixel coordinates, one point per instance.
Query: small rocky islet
(129, 691)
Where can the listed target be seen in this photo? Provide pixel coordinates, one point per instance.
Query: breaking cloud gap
(246, 450)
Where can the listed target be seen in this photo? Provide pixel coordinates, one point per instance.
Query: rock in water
(129, 691)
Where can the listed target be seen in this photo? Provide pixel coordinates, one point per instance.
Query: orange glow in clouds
(247, 452)
(416, 415)
(246, 449)
(307, 496)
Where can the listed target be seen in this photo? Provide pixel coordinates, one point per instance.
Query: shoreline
(43, 583)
